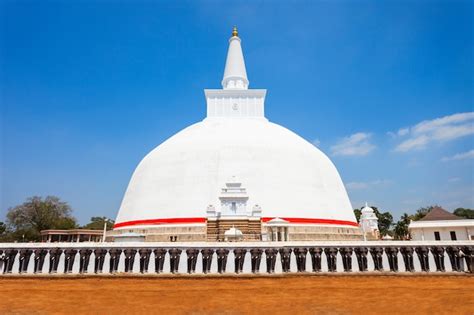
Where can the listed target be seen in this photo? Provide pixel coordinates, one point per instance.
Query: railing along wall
(238, 257)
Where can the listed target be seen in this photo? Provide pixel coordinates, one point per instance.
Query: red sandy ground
(322, 294)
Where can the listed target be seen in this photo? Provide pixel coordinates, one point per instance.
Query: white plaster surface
(283, 173)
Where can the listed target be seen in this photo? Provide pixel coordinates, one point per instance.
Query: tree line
(24, 222)
(399, 229)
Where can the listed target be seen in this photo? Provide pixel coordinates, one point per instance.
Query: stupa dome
(284, 174)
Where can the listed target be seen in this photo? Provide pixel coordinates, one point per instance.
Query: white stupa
(235, 168)
(369, 223)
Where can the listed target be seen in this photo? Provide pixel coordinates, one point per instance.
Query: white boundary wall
(230, 259)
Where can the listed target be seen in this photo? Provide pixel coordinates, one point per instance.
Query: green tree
(3, 228)
(36, 214)
(97, 223)
(401, 227)
(357, 213)
(4, 235)
(465, 213)
(385, 221)
(421, 212)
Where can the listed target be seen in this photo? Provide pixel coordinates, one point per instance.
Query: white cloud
(316, 142)
(367, 185)
(459, 156)
(413, 143)
(436, 130)
(429, 125)
(403, 131)
(356, 144)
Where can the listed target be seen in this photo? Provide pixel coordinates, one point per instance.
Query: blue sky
(385, 88)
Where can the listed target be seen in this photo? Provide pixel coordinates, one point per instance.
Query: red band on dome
(203, 220)
(160, 221)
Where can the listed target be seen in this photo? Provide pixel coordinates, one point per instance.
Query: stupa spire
(235, 32)
(235, 74)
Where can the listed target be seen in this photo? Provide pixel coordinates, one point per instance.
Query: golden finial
(234, 32)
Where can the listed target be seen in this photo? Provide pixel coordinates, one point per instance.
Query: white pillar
(105, 231)
(363, 231)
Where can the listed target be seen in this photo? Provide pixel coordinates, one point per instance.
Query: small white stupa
(369, 223)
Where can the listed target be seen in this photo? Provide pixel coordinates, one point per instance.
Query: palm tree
(401, 228)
